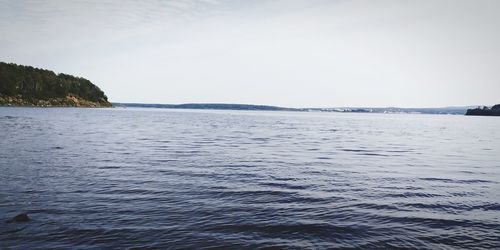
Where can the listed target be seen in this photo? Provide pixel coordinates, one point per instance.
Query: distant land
(485, 111)
(396, 110)
(222, 106)
(225, 106)
(28, 86)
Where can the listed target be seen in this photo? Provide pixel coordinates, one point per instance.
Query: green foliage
(34, 83)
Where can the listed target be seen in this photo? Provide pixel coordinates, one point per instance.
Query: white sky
(310, 53)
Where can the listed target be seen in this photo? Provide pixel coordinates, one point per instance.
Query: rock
(23, 217)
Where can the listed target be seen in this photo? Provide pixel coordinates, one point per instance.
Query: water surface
(153, 178)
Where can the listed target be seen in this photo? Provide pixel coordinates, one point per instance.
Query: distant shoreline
(72, 102)
(228, 106)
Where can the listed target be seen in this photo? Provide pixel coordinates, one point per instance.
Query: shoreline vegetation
(28, 86)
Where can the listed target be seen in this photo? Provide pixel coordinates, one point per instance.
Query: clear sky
(310, 53)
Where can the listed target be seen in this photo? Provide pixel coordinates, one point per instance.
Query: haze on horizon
(291, 53)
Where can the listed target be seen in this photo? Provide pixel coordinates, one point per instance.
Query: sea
(131, 178)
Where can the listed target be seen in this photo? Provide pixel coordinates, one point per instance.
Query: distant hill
(227, 106)
(485, 111)
(28, 86)
(222, 106)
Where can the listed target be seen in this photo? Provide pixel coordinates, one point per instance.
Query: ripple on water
(208, 179)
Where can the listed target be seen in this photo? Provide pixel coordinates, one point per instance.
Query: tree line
(30, 82)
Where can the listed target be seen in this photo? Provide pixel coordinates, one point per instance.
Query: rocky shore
(68, 101)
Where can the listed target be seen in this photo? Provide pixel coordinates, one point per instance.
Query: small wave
(286, 185)
(454, 208)
(109, 167)
(10, 117)
(377, 207)
(317, 230)
(413, 195)
(455, 181)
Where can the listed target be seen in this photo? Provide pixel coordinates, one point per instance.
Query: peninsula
(28, 86)
(485, 111)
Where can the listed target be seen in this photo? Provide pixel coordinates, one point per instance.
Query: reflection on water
(147, 178)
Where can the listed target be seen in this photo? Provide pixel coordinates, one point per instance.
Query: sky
(290, 53)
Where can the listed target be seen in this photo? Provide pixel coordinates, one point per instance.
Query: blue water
(151, 178)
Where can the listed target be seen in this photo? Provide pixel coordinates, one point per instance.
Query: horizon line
(276, 106)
